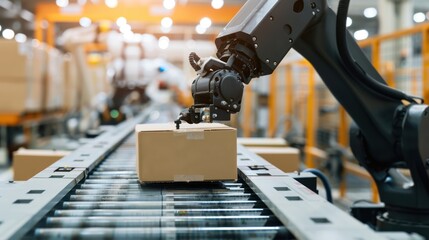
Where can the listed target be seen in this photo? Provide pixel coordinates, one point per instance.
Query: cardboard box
(55, 80)
(284, 158)
(29, 162)
(262, 142)
(21, 76)
(70, 83)
(194, 153)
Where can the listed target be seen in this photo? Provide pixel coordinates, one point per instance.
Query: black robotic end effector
(217, 92)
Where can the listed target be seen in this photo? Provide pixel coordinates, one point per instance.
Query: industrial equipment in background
(95, 193)
(391, 130)
(136, 74)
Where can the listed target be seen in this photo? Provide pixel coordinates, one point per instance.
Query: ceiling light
(200, 29)
(217, 4)
(163, 42)
(205, 22)
(169, 4)
(111, 3)
(370, 12)
(419, 17)
(167, 22)
(62, 3)
(21, 38)
(349, 22)
(361, 34)
(121, 21)
(85, 22)
(8, 33)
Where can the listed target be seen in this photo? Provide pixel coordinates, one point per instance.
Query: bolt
(313, 5)
(256, 45)
(223, 103)
(268, 60)
(235, 106)
(275, 63)
(290, 40)
(314, 13)
(271, 18)
(254, 39)
(214, 115)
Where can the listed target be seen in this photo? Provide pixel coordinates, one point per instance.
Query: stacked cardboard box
(70, 83)
(22, 70)
(55, 80)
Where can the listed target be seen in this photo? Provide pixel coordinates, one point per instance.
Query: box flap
(165, 127)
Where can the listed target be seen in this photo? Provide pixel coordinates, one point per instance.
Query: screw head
(223, 103)
(254, 39)
(267, 61)
(235, 106)
(214, 115)
(271, 18)
(256, 45)
(275, 63)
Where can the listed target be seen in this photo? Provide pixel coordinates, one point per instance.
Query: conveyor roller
(111, 203)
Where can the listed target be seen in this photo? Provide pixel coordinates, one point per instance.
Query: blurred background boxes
(285, 158)
(262, 142)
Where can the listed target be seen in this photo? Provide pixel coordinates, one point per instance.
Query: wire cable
(324, 180)
(352, 66)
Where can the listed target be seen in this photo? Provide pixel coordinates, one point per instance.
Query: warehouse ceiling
(19, 15)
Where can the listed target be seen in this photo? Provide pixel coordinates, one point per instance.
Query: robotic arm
(392, 128)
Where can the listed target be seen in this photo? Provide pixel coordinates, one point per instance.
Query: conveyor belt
(111, 203)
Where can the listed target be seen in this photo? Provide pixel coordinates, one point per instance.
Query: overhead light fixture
(20, 37)
(370, 12)
(200, 29)
(205, 22)
(349, 22)
(419, 17)
(217, 4)
(121, 21)
(111, 3)
(125, 28)
(167, 22)
(163, 42)
(85, 22)
(8, 33)
(169, 4)
(361, 34)
(62, 3)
